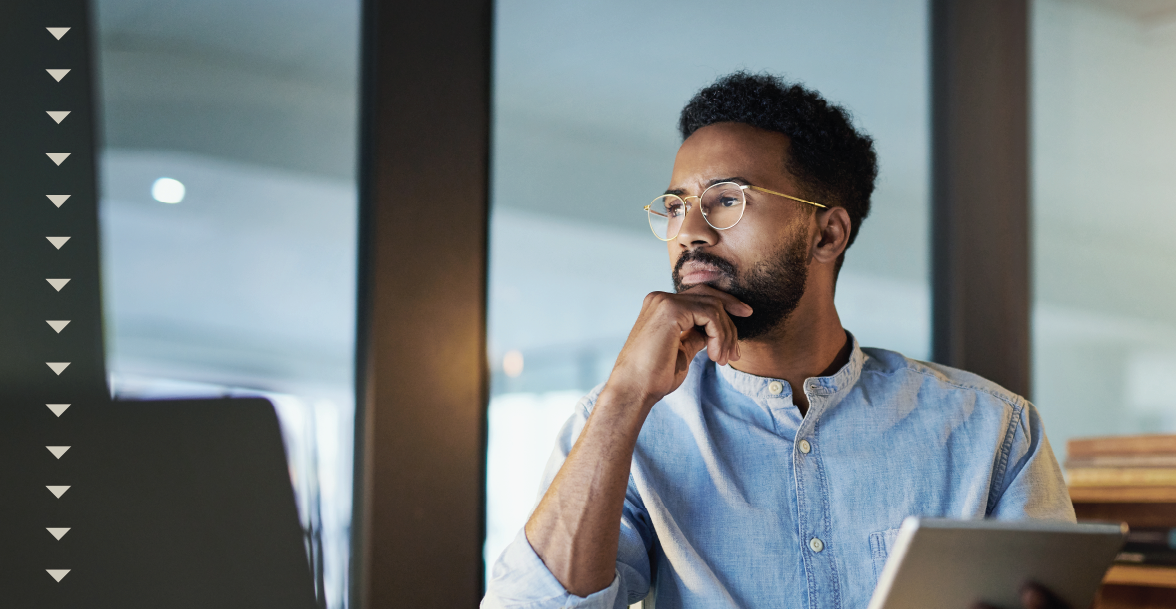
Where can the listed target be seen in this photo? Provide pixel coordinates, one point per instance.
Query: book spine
(1122, 461)
(1122, 476)
(1121, 445)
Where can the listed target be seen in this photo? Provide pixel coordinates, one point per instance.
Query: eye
(726, 201)
(675, 210)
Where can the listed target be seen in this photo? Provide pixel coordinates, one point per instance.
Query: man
(745, 451)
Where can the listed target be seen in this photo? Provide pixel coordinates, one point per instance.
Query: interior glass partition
(585, 108)
(228, 219)
(1104, 259)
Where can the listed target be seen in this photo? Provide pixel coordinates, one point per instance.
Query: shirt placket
(813, 509)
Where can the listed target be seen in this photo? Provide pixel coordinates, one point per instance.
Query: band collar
(761, 387)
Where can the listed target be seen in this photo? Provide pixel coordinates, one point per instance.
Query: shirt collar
(827, 386)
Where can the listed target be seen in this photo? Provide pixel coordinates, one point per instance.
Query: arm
(519, 579)
(574, 530)
(1031, 486)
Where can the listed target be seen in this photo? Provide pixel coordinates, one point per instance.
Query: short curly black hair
(833, 162)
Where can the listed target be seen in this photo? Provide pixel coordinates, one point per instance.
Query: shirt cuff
(520, 580)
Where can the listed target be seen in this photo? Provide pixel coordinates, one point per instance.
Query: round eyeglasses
(722, 207)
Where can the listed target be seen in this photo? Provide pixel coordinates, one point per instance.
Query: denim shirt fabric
(727, 507)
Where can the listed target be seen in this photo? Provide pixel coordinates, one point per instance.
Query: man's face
(762, 260)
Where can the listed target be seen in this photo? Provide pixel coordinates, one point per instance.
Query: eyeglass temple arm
(780, 194)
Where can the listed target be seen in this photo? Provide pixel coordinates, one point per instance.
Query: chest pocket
(880, 544)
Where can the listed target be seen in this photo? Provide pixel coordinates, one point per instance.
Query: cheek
(746, 247)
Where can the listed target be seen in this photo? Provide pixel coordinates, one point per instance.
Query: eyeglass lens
(722, 206)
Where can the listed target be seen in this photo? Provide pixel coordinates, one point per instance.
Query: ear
(832, 236)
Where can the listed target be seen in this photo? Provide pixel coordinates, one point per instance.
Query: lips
(694, 273)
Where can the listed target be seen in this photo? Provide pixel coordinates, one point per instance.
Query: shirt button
(775, 387)
(805, 447)
(816, 545)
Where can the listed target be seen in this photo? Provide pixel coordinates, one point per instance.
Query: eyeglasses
(722, 208)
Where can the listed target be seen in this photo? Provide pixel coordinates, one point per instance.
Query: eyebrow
(679, 191)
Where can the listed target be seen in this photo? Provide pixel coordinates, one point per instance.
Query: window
(1105, 266)
(228, 213)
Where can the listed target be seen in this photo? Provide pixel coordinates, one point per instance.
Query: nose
(695, 231)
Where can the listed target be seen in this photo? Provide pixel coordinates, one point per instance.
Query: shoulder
(935, 382)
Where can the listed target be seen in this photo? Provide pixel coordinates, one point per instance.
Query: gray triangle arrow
(58, 157)
(58, 574)
(57, 283)
(57, 532)
(57, 408)
(58, 200)
(57, 74)
(57, 241)
(57, 367)
(57, 450)
(57, 324)
(57, 491)
(57, 115)
(57, 32)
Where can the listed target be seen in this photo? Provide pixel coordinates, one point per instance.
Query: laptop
(179, 504)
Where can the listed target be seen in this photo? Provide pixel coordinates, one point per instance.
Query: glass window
(1104, 263)
(228, 214)
(586, 102)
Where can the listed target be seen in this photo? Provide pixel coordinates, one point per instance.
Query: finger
(715, 310)
(733, 305)
(1035, 596)
(690, 343)
(708, 317)
(693, 341)
(721, 335)
(717, 338)
(1032, 598)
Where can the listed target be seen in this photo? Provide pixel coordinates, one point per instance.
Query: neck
(809, 343)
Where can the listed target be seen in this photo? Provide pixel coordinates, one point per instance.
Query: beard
(772, 287)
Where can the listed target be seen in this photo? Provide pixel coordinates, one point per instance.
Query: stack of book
(1128, 469)
(1147, 462)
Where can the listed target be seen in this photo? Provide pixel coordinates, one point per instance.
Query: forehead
(727, 150)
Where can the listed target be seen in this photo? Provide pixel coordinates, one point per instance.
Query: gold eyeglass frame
(742, 187)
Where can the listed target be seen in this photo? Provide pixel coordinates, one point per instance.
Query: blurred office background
(247, 284)
(235, 275)
(1104, 210)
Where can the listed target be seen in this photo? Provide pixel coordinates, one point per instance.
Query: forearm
(575, 528)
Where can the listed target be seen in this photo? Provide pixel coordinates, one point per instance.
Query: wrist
(626, 398)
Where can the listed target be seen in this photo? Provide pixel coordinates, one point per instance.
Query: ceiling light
(167, 190)
(512, 363)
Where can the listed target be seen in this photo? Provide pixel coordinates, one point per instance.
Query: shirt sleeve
(520, 580)
(1030, 485)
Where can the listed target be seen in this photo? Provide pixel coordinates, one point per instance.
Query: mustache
(719, 263)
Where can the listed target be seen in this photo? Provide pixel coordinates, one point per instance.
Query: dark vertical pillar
(980, 188)
(52, 380)
(421, 357)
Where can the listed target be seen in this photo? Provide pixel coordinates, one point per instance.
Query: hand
(669, 332)
(1034, 596)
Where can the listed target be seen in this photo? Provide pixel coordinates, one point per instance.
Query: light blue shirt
(736, 500)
